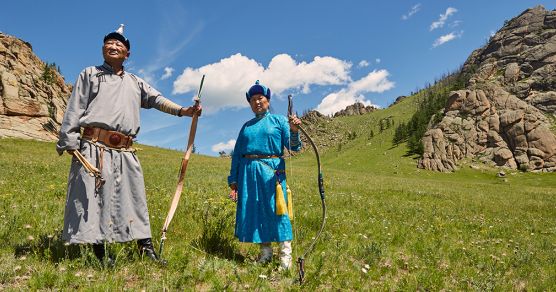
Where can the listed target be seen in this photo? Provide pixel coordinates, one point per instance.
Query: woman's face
(259, 103)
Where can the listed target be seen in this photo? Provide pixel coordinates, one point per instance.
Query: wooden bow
(183, 168)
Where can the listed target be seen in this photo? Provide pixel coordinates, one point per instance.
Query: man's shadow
(50, 248)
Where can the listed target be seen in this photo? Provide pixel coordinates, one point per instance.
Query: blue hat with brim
(257, 89)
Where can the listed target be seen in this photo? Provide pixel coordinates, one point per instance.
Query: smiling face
(259, 103)
(114, 52)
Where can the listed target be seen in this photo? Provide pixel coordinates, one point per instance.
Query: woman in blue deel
(258, 179)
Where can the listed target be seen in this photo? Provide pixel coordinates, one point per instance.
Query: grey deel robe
(118, 211)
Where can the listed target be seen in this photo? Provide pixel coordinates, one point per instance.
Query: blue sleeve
(291, 139)
(236, 156)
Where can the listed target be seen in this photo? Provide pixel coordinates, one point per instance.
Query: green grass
(390, 225)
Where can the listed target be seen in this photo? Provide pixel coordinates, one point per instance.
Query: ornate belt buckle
(115, 139)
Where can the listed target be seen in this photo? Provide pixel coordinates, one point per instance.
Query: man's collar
(109, 68)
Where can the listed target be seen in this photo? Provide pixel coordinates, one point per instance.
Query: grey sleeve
(70, 130)
(152, 98)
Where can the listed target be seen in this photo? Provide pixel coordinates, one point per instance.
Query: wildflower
(364, 270)
(30, 238)
(263, 276)
(27, 226)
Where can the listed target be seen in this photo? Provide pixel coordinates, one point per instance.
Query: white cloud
(375, 81)
(413, 10)
(377, 60)
(168, 71)
(443, 17)
(227, 147)
(455, 23)
(446, 38)
(228, 79)
(147, 76)
(363, 64)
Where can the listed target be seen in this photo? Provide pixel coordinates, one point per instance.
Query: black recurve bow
(301, 259)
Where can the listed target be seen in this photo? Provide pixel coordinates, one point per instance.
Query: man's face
(259, 103)
(114, 51)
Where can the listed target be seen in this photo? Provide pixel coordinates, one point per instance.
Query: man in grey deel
(106, 200)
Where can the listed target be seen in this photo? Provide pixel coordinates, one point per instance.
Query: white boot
(285, 255)
(266, 253)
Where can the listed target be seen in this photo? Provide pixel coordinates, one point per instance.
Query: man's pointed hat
(118, 34)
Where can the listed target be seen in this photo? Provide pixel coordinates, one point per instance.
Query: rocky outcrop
(504, 115)
(357, 108)
(398, 99)
(32, 103)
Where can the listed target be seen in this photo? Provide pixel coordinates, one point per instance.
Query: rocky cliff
(357, 108)
(33, 94)
(505, 114)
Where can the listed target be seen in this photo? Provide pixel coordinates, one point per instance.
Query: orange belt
(258, 156)
(112, 139)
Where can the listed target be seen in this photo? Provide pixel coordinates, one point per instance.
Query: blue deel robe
(256, 219)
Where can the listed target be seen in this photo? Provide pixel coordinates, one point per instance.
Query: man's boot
(146, 248)
(102, 256)
(285, 255)
(266, 253)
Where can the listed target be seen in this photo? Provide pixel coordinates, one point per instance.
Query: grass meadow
(390, 226)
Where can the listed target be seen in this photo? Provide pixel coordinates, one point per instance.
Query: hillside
(390, 226)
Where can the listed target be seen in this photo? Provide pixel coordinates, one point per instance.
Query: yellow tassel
(281, 207)
(290, 202)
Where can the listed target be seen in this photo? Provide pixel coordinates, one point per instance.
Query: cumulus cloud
(375, 81)
(168, 71)
(226, 147)
(443, 17)
(413, 10)
(228, 79)
(363, 64)
(446, 38)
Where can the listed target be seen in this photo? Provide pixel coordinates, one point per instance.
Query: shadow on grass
(49, 247)
(55, 250)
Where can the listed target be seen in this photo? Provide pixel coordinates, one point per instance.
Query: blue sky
(328, 54)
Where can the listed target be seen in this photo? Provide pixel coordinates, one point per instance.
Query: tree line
(432, 100)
